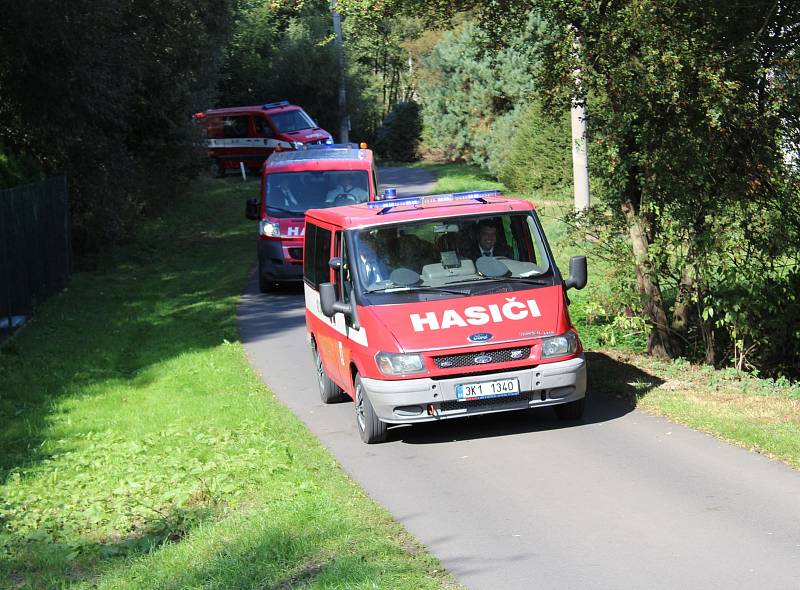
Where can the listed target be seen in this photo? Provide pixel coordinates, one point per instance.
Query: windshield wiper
(417, 288)
(298, 213)
(502, 279)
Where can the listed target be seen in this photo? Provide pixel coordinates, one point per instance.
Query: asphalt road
(621, 500)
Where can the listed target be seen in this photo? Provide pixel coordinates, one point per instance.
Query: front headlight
(562, 345)
(329, 141)
(269, 229)
(390, 363)
(297, 144)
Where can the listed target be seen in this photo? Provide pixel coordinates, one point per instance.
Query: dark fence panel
(35, 245)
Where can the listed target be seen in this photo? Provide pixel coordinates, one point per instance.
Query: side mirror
(577, 273)
(335, 263)
(330, 306)
(251, 210)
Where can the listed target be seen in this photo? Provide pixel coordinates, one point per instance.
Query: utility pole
(344, 118)
(580, 154)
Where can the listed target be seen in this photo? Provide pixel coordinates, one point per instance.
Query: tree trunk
(681, 315)
(661, 342)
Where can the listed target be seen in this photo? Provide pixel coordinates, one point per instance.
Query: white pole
(344, 121)
(580, 156)
(241, 167)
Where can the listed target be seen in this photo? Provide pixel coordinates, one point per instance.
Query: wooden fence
(35, 246)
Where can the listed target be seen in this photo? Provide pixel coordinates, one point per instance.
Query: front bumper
(426, 399)
(275, 262)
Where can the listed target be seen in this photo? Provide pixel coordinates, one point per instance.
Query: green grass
(138, 449)
(758, 414)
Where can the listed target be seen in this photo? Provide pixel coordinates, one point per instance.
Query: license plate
(487, 389)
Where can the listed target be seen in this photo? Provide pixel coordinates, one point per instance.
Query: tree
(103, 91)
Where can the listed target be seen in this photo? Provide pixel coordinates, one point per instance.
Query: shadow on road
(613, 387)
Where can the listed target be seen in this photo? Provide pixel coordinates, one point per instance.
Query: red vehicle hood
(307, 135)
(475, 321)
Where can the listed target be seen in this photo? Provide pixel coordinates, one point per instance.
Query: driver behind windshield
(348, 190)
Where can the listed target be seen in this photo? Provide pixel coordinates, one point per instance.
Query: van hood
(310, 135)
(475, 321)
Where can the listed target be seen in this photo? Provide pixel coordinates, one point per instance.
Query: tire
(371, 429)
(570, 410)
(264, 284)
(329, 392)
(216, 169)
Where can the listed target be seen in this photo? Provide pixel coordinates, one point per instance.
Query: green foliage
(103, 91)
(471, 96)
(540, 155)
(17, 168)
(397, 139)
(287, 52)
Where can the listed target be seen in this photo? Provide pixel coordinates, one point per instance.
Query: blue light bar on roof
(428, 199)
(272, 105)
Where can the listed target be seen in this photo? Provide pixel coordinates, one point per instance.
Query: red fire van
(250, 134)
(429, 308)
(313, 177)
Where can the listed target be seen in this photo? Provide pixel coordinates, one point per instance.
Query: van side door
(318, 247)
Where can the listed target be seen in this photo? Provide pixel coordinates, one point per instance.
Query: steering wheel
(345, 199)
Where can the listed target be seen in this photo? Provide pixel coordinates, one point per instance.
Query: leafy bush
(471, 95)
(398, 138)
(540, 156)
(16, 168)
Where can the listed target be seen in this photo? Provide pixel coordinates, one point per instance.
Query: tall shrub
(398, 138)
(540, 156)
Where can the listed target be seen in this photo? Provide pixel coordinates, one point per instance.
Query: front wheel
(217, 170)
(329, 392)
(265, 285)
(371, 429)
(570, 410)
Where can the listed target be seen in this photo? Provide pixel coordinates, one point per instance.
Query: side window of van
(235, 126)
(322, 255)
(262, 127)
(344, 281)
(318, 254)
(308, 257)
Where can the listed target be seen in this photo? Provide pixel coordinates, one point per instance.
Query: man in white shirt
(349, 190)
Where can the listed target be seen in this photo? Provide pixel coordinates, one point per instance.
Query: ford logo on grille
(482, 359)
(480, 337)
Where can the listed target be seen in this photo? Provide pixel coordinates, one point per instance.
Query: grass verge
(139, 450)
(762, 415)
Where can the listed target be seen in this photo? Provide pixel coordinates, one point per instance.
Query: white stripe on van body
(337, 322)
(248, 142)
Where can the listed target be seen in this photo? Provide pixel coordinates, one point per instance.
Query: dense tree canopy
(693, 117)
(103, 91)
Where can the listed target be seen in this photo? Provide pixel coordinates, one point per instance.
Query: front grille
(296, 253)
(484, 357)
(448, 406)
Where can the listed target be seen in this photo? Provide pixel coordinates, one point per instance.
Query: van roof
(326, 157)
(258, 108)
(369, 214)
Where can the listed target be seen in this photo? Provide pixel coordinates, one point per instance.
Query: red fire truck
(438, 307)
(250, 134)
(294, 181)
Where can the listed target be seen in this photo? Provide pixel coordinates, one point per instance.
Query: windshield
(290, 121)
(290, 194)
(464, 255)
